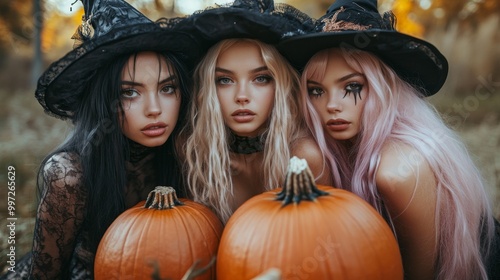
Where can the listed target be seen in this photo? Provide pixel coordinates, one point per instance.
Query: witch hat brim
(357, 25)
(265, 21)
(119, 29)
(416, 61)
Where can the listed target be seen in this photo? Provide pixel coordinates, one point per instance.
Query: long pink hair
(396, 112)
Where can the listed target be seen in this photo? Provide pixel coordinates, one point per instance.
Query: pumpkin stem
(194, 271)
(299, 183)
(162, 198)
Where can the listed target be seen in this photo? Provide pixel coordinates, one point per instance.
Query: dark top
(60, 243)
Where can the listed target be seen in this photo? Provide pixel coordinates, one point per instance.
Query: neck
(138, 152)
(246, 145)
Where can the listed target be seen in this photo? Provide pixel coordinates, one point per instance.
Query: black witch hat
(110, 28)
(262, 20)
(357, 24)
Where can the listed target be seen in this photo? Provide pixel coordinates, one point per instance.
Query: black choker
(137, 151)
(246, 145)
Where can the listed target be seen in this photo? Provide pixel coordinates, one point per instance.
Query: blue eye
(263, 79)
(223, 81)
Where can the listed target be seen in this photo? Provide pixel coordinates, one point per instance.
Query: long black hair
(103, 149)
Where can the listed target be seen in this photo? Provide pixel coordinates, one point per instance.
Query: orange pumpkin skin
(173, 238)
(339, 236)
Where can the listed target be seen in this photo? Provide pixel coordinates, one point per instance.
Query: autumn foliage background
(466, 31)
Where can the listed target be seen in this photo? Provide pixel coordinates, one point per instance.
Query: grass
(27, 135)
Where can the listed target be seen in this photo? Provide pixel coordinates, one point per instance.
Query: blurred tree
(37, 46)
(469, 11)
(155, 9)
(415, 16)
(54, 25)
(406, 19)
(15, 25)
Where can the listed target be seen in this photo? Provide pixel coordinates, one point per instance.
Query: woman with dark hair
(364, 86)
(126, 90)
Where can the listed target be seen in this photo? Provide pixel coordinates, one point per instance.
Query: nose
(152, 106)
(334, 104)
(242, 94)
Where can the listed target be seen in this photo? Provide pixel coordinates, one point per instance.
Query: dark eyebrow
(132, 83)
(346, 77)
(258, 69)
(313, 82)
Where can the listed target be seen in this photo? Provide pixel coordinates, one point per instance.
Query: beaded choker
(246, 145)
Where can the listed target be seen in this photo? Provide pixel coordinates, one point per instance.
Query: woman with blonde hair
(364, 85)
(244, 123)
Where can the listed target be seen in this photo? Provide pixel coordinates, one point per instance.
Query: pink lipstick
(154, 129)
(243, 115)
(337, 124)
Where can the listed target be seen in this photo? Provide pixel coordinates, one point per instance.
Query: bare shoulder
(403, 175)
(408, 188)
(306, 148)
(401, 165)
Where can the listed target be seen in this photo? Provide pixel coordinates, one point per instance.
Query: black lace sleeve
(60, 216)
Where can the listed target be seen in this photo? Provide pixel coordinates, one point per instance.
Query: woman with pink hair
(363, 89)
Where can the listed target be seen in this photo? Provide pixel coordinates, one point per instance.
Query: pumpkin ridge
(272, 230)
(314, 232)
(262, 225)
(134, 221)
(167, 236)
(194, 219)
(187, 222)
(145, 225)
(207, 218)
(344, 227)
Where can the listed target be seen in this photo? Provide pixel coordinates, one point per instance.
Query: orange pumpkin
(326, 233)
(164, 241)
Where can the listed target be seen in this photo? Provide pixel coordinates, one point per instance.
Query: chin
(151, 143)
(342, 137)
(245, 132)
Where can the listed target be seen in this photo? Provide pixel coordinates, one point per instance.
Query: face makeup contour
(245, 89)
(150, 99)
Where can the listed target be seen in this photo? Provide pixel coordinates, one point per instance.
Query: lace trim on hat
(414, 45)
(332, 25)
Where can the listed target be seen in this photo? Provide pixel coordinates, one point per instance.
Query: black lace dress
(60, 244)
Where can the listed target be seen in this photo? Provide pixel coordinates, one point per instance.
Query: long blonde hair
(207, 156)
